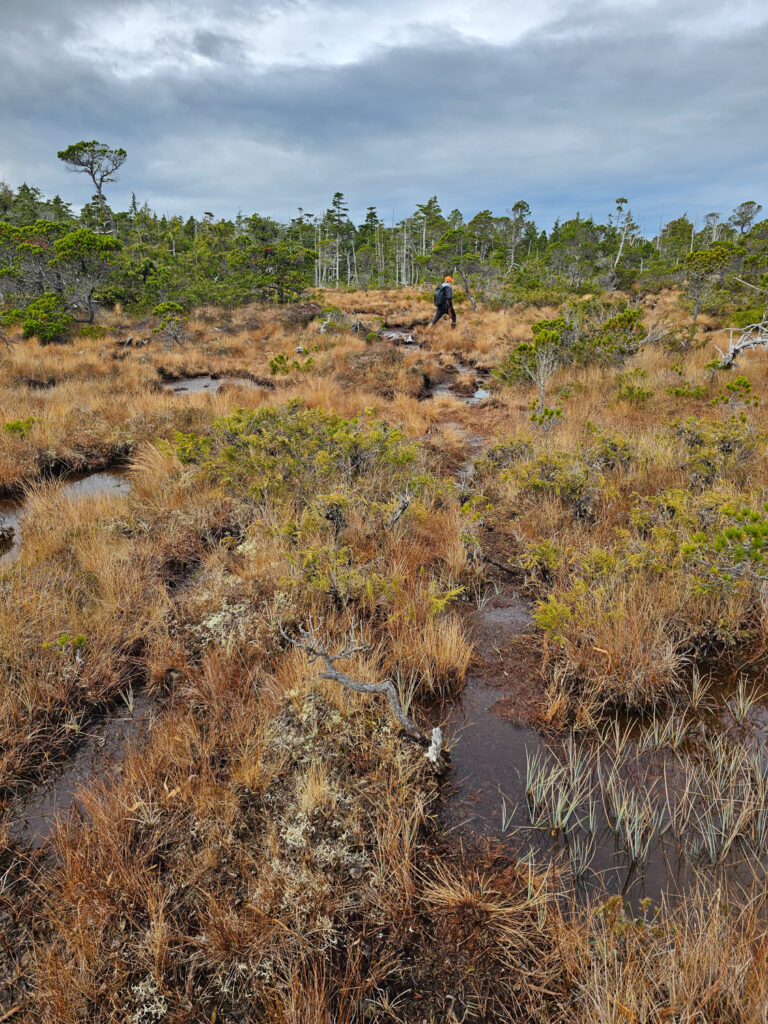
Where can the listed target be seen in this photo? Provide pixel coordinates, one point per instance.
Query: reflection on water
(78, 485)
(194, 385)
(205, 383)
(642, 811)
(447, 387)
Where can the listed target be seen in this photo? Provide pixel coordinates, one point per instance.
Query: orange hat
(449, 278)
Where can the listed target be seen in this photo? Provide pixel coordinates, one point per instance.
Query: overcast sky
(228, 105)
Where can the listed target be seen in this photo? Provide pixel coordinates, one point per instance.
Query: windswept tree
(513, 229)
(702, 270)
(84, 260)
(743, 216)
(100, 163)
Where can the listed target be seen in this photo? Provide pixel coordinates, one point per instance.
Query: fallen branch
(500, 565)
(402, 507)
(747, 340)
(753, 286)
(309, 641)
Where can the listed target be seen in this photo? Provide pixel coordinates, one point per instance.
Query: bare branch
(756, 288)
(751, 336)
(309, 640)
(402, 507)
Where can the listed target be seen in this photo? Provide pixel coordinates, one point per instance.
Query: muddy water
(33, 820)
(206, 383)
(78, 485)
(194, 385)
(491, 745)
(447, 387)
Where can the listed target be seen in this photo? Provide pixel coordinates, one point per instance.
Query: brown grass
(270, 852)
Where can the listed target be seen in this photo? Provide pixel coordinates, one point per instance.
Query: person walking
(444, 301)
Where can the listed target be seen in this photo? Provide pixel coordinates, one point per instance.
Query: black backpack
(439, 295)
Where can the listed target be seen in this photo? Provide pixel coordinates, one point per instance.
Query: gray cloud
(663, 104)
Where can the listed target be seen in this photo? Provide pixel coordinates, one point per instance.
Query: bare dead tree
(308, 640)
(546, 363)
(751, 336)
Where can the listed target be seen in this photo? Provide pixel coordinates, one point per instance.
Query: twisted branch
(751, 336)
(402, 506)
(309, 641)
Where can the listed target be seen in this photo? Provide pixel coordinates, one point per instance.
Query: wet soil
(496, 727)
(31, 820)
(493, 731)
(491, 727)
(463, 382)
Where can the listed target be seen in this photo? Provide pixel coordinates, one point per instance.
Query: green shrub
(745, 317)
(562, 474)
(94, 331)
(736, 392)
(630, 387)
(688, 390)
(713, 448)
(20, 428)
(280, 364)
(47, 319)
(296, 453)
(173, 323)
(609, 451)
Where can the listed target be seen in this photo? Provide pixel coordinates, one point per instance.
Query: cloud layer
(269, 106)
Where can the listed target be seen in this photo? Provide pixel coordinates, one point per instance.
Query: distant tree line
(65, 265)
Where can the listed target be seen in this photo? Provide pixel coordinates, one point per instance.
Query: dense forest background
(58, 267)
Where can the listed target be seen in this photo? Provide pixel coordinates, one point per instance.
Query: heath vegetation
(296, 449)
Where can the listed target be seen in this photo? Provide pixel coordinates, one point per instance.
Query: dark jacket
(447, 293)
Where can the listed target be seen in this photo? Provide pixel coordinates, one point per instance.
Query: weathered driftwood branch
(751, 336)
(309, 641)
(402, 507)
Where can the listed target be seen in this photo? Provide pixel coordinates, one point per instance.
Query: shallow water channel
(448, 387)
(33, 818)
(77, 485)
(204, 383)
(646, 810)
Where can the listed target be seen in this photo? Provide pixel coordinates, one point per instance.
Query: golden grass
(271, 850)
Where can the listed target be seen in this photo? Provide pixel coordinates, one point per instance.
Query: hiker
(444, 301)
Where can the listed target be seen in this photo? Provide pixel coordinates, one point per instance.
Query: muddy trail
(467, 383)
